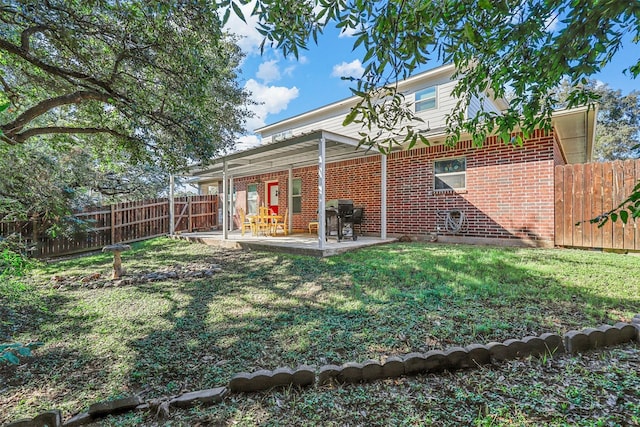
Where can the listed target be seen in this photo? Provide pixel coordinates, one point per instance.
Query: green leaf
(624, 216)
(350, 117)
(238, 12)
(11, 358)
(505, 137)
(225, 18)
(24, 351)
(4, 106)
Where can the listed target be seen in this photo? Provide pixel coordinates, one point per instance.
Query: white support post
(289, 224)
(225, 192)
(231, 203)
(383, 197)
(172, 208)
(321, 192)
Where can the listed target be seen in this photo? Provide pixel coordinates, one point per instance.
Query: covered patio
(314, 148)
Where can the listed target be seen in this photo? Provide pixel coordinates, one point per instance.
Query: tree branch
(11, 94)
(26, 35)
(82, 78)
(23, 136)
(13, 128)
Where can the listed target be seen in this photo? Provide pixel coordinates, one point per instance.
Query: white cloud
(250, 38)
(247, 141)
(268, 71)
(289, 70)
(551, 23)
(350, 69)
(348, 32)
(270, 99)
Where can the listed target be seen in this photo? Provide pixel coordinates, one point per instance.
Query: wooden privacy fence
(121, 223)
(585, 191)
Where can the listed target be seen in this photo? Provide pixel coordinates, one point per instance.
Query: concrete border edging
(433, 361)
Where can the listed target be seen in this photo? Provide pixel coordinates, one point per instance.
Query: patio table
(265, 223)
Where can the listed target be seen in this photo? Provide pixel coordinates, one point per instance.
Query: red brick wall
(509, 189)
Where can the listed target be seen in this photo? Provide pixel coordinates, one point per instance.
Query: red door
(272, 196)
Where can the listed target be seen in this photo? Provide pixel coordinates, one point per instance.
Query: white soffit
(576, 129)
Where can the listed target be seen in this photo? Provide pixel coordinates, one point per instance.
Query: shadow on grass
(266, 310)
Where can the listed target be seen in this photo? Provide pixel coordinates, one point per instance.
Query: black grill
(341, 218)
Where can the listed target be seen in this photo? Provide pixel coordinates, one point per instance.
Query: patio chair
(284, 225)
(245, 222)
(263, 221)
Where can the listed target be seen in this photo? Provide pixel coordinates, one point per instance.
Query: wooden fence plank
(597, 204)
(629, 229)
(587, 227)
(618, 197)
(578, 205)
(607, 203)
(559, 205)
(567, 220)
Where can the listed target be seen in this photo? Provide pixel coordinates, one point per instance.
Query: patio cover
(312, 148)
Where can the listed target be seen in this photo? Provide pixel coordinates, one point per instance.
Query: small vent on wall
(282, 135)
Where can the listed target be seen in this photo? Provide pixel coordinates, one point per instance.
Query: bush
(12, 264)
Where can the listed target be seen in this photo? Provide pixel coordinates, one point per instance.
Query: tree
(618, 131)
(525, 46)
(47, 183)
(156, 79)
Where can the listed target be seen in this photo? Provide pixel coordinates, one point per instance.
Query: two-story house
(497, 193)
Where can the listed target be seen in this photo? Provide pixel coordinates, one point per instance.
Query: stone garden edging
(545, 345)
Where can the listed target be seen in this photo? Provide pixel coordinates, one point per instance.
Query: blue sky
(285, 87)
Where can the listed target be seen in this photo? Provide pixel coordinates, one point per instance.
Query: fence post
(113, 224)
(189, 213)
(172, 206)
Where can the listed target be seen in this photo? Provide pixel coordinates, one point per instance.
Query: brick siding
(509, 189)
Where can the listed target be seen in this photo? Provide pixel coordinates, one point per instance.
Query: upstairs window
(450, 174)
(426, 99)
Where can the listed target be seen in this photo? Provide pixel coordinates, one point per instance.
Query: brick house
(497, 193)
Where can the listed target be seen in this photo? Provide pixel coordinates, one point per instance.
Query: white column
(321, 192)
(231, 203)
(383, 197)
(172, 208)
(290, 200)
(225, 192)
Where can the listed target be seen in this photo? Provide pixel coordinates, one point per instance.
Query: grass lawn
(268, 310)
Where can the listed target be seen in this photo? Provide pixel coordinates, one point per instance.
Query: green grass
(268, 310)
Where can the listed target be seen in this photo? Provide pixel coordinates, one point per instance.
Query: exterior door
(272, 196)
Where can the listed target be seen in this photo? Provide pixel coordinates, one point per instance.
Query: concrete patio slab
(301, 244)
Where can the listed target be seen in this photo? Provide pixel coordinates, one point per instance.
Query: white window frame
(250, 211)
(294, 196)
(445, 174)
(417, 101)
